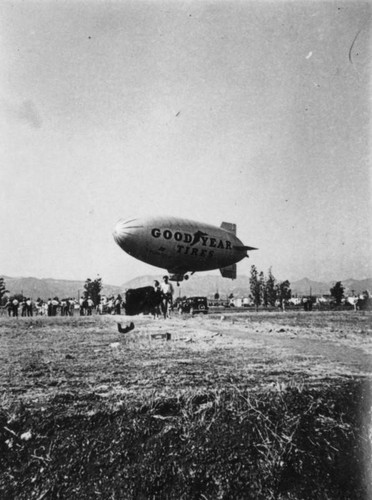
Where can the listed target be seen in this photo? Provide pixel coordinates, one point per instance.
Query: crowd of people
(14, 305)
(110, 305)
(85, 306)
(52, 307)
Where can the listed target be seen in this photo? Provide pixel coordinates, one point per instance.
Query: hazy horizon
(199, 274)
(251, 112)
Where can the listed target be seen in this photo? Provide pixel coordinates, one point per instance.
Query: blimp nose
(123, 231)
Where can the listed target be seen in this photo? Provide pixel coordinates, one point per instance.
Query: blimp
(182, 246)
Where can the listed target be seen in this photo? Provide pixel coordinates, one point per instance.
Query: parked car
(193, 305)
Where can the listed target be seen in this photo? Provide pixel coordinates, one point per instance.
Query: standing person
(15, 304)
(70, 307)
(100, 307)
(9, 306)
(167, 291)
(110, 305)
(63, 307)
(90, 305)
(81, 304)
(118, 302)
(23, 307)
(157, 299)
(29, 307)
(50, 307)
(55, 304)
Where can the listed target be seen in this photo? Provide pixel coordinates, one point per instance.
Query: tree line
(266, 290)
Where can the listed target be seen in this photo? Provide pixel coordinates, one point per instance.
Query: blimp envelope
(181, 245)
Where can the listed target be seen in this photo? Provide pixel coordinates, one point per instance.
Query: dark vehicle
(194, 305)
(141, 300)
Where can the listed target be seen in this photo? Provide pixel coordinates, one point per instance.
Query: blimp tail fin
(229, 272)
(243, 247)
(229, 226)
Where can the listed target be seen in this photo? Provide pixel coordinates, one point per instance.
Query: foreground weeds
(287, 443)
(241, 407)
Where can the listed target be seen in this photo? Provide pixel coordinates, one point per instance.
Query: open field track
(235, 405)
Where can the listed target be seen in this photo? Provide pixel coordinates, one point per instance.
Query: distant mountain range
(49, 287)
(199, 284)
(208, 285)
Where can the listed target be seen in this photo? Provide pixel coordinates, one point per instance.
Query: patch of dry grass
(227, 409)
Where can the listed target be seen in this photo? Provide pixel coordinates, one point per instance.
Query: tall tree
(93, 290)
(255, 287)
(262, 280)
(271, 290)
(3, 289)
(283, 293)
(337, 292)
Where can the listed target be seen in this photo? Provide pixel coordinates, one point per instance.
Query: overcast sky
(256, 113)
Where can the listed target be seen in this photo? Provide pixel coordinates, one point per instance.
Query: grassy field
(234, 406)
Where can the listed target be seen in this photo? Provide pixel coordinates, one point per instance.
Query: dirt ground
(295, 387)
(42, 356)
